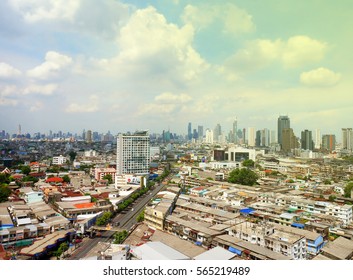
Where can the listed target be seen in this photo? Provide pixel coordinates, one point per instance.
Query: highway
(126, 220)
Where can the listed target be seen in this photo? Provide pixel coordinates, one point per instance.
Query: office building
(217, 132)
(307, 140)
(133, 153)
(251, 136)
(318, 139)
(235, 131)
(347, 139)
(189, 131)
(200, 132)
(289, 140)
(329, 142)
(283, 122)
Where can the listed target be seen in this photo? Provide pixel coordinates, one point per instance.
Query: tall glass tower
(282, 123)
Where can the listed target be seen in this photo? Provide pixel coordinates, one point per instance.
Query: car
(132, 209)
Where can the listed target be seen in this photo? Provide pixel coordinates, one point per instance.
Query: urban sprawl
(205, 195)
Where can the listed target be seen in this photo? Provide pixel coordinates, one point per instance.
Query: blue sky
(126, 65)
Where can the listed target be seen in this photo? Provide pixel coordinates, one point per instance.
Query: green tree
(248, 163)
(348, 189)
(30, 179)
(327, 182)
(332, 198)
(119, 237)
(109, 178)
(25, 169)
(4, 193)
(66, 178)
(4, 178)
(62, 248)
(72, 155)
(243, 176)
(104, 219)
(141, 217)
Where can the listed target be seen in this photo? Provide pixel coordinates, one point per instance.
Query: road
(126, 219)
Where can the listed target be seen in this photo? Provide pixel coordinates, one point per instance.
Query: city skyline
(127, 65)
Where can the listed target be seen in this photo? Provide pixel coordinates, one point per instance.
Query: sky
(160, 64)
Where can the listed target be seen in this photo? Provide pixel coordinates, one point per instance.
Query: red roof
(84, 205)
(55, 180)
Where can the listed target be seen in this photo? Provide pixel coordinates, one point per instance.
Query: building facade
(133, 153)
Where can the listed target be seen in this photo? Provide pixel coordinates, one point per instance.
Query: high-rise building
(307, 142)
(329, 142)
(209, 136)
(235, 131)
(89, 136)
(283, 122)
(189, 131)
(200, 132)
(289, 140)
(251, 136)
(217, 132)
(133, 153)
(347, 139)
(318, 139)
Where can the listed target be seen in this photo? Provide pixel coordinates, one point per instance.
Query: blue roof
(246, 211)
(297, 225)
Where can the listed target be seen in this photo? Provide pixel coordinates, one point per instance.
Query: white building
(60, 160)
(240, 154)
(209, 136)
(133, 153)
(251, 136)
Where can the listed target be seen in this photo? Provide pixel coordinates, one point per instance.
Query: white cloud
(300, 50)
(38, 10)
(8, 71)
(296, 52)
(7, 101)
(235, 20)
(36, 106)
(150, 47)
(47, 89)
(320, 77)
(168, 97)
(90, 107)
(54, 62)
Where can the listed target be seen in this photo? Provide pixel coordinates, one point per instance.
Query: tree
(348, 189)
(104, 219)
(248, 163)
(4, 193)
(327, 182)
(109, 178)
(243, 176)
(141, 216)
(332, 198)
(119, 237)
(25, 169)
(72, 155)
(66, 178)
(62, 248)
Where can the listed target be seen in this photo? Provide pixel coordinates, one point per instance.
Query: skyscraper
(282, 123)
(347, 139)
(235, 131)
(133, 153)
(289, 140)
(189, 131)
(328, 142)
(318, 139)
(217, 132)
(251, 136)
(307, 140)
(200, 132)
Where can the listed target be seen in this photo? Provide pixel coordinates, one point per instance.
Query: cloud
(166, 103)
(36, 106)
(54, 62)
(8, 71)
(320, 77)
(296, 52)
(151, 48)
(7, 101)
(38, 10)
(234, 20)
(168, 97)
(47, 89)
(90, 107)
